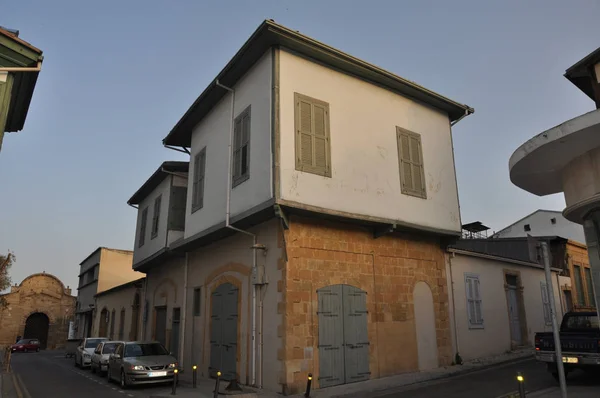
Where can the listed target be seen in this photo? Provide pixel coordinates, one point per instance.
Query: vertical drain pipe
(183, 312)
(228, 225)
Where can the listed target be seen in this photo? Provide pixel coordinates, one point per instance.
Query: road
(48, 374)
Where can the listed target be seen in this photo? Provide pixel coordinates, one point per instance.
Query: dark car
(26, 345)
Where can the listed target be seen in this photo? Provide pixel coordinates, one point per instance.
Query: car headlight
(137, 367)
(86, 355)
(172, 365)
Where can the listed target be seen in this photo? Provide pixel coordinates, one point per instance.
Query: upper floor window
(313, 143)
(241, 148)
(143, 223)
(156, 216)
(410, 157)
(198, 181)
(527, 227)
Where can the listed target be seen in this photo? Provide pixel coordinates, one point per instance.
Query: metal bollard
(217, 382)
(308, 384)
(174, 390)
(194, 368)
(521, 382)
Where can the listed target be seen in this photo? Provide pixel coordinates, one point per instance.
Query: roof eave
(271, 34)
(156, 178)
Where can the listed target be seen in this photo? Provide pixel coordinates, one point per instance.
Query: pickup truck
(580, 343)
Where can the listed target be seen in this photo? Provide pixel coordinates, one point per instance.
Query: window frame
(143, 227)
(410, 191)
(156, 217)
(238, 134)
(474, 324)
(198, 183)
(301, 166)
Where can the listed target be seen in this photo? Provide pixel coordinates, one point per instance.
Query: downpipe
(228, 225)
(183, 313)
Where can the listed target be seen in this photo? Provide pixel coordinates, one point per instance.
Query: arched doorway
(425, 326)
(36, 327)
(135, 318)
(103, 326)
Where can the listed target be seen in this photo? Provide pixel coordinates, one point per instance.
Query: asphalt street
(48, 374)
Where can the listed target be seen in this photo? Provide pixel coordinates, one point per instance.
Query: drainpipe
(26, 69)
(183, 312)
(467, 113)
(145, 310)
(255, 245)
(450, 257)
(134, 206)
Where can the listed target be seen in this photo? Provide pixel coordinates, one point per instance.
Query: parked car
(136, 362)
(99, 360)
(83, 353)
(579, 340)
(26, 345)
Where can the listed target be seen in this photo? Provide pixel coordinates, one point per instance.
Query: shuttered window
(143, 223)
(590, 287)
(241, 148)
(156, 216)
(474, 308)
(198, 184)
(410, 158)
(546, 303)
(579, 285)
(313, 142)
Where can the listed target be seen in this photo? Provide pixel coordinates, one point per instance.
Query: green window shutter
(198, 182)
(410, 159)
(313, 141)
(241, 148)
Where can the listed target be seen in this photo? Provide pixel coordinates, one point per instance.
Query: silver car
(100, 356)
(83, 353)
(139, 362)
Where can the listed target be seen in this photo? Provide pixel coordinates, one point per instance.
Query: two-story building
(321, 195)
(103, 269)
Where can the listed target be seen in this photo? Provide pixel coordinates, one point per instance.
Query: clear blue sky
(117, 76)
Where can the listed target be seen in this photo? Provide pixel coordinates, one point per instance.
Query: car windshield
(92, 343)
(23, 342)
(582, 322)
(144, 350)
(109, 348)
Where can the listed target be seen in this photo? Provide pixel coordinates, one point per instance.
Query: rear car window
(92, 343)
(582, 322)
(109, 348)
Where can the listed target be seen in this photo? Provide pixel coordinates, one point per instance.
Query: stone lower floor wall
(322, 253)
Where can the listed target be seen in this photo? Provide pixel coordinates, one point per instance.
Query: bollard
(308, 384)
(217, 382)
(521, 381)
(194, 368)
(174, 390)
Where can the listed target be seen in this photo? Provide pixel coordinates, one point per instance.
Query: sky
(118, 75)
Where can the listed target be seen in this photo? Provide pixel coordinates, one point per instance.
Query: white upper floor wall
(544, 223)
(365, 170)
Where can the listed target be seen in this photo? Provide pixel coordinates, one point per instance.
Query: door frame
(154, 323)
(520, 306)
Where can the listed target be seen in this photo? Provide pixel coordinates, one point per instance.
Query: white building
(543, 223)
(320, 188)
(566, 158)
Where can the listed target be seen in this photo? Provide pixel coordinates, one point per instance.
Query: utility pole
(555, 330)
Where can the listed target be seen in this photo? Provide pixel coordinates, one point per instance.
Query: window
(410, 159)
(144, 222)
(198, 183)
(197, 301)
(474, 310)
(553, 220)
(578, 284)
(527, 227)
(241, 148)
(122, 324)
(546, 303)
(313, 143)
(156, 216)
(590, 287)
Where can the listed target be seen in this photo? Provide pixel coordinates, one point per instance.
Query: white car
(100, 356)
(83, 353)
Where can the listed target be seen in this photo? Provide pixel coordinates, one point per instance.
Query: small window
(143, 223)
(313, 142)
(527, 227)
(198, 182)
(410, 161)
(197, 301)
(474, 308)
(156, 216)
(241, 149)
(546, 303)
(553, 220)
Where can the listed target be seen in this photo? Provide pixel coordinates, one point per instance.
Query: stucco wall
(121, 299)
(364, 156)
(541, 225)
(115, 269)
(495, 338)
(254, 90)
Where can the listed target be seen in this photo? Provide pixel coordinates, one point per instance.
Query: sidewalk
(572, 391)
(205, 386)
(7, 386)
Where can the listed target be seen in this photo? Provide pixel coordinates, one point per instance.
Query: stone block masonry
(323, 253)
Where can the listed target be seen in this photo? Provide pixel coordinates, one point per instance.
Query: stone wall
(325, 253)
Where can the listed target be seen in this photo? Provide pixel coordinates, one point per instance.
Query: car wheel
(37, 349)
(25, 350)
(124, 384)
